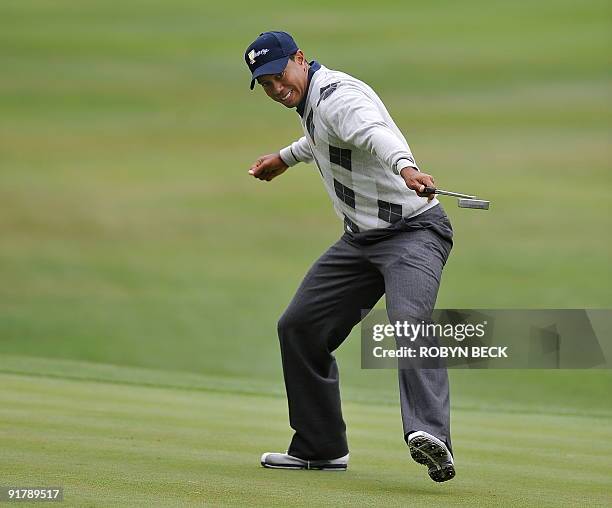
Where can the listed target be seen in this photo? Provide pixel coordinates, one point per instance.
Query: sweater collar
(314, 67)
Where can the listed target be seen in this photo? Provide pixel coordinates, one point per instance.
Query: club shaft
(455, 194)
(431, 190)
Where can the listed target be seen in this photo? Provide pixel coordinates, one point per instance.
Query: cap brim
(273, 67)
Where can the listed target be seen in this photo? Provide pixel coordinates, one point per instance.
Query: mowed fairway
(143, 272)
(112, 444)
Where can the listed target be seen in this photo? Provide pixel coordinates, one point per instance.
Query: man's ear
(299, 57)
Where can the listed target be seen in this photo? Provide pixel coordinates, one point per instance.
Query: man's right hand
(268, 167)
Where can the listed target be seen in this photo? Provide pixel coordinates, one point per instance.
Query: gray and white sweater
(358, 149)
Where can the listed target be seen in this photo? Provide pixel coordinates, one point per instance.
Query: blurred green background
(131, 234)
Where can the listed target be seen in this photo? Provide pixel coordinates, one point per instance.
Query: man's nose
(278, 88)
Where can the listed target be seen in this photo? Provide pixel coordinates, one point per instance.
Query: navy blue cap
(269, 54)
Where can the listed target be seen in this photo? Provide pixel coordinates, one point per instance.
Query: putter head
(474, 203)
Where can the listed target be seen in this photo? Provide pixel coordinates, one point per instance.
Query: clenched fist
(268, 167)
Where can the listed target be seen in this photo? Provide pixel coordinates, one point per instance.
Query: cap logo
(253, 54)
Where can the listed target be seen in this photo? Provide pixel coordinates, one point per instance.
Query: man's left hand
(417, 181)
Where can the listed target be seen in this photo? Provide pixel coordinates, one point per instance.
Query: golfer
(395, 242)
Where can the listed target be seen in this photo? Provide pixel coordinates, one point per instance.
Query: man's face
(289, 86)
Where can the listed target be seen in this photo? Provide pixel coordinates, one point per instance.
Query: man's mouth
(287, 96)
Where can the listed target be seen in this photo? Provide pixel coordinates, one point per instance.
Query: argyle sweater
(358, 150)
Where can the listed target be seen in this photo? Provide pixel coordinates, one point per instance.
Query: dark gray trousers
(405, 263)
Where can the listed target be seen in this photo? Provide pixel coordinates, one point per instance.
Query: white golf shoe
(286, 461)
(433, 453)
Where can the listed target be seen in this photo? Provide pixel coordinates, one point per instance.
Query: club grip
(428, 190)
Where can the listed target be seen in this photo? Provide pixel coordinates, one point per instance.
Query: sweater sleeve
(354, 118)
(298, 151)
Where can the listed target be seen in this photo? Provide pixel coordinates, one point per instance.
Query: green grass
(138, 261)
(124, 443)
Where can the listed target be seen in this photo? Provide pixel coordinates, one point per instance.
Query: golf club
(465, 201)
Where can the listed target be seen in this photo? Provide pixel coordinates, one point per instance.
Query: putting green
(120, 443)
